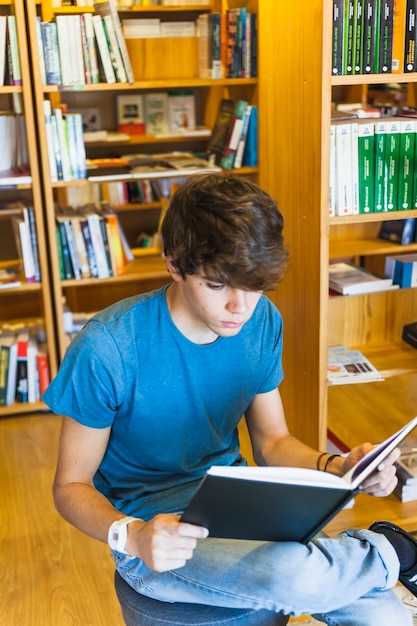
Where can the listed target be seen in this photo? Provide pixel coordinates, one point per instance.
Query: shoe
(408, 577)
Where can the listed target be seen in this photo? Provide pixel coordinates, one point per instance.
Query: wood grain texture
(50, 573)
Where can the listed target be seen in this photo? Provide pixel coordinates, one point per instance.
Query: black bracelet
(319, 458)
(329, 460)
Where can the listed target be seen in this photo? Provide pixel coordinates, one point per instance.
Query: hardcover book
(279, 503)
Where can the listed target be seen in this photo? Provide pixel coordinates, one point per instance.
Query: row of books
(24, 367)
(346, 366)
(84, 48)
(91, 243)
(228, 44)
(402, 232)
(373, 36)
(402, 268)
(157, 113)
(234, 140)
(349, 279)
(66, 148)
(18, 224)
(133, 192)
(10, 70)
(14, 149)
(373, 166)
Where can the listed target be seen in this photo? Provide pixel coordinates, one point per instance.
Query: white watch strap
(117, 535)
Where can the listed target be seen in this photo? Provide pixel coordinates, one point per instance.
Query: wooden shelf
(171, 83)
(142, 269)
(371, 217)
(373, 79)
(22, 407)
(366, 247)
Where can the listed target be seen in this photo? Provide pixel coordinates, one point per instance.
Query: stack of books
(345, 366)
(349, 279)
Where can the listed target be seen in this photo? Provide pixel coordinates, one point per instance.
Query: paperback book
(349, 279)
(345, 366)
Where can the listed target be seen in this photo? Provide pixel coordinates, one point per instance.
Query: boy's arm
(163, 543)
(273, 444)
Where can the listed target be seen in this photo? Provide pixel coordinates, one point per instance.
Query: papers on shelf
(345, 367)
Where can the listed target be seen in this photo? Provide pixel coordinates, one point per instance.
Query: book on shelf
(131, 114)
(181, 111)
(156, 113)
(235, 131)
(173, 163)
(8, 367)
(350, 279)
(144, 28)
(346, 366)
(3, 47)
(399, 231)
(402, 269)
(220, 131)
(279, 503)
(107, 9)
(409, 334)
(15, 72)
(9, 278)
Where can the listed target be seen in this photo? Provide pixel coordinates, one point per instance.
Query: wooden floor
(53, 575)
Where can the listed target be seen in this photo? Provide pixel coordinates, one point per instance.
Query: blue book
(399, 231)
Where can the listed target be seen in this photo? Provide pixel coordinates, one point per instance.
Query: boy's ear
(175, 275)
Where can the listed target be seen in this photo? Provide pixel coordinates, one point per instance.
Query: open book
(279, 503)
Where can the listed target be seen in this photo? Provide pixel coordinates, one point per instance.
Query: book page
(283, 475)
(370, 461)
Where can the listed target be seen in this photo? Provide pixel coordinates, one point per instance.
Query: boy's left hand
(383, 481)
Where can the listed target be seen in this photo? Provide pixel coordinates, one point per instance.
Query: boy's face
(204, 308)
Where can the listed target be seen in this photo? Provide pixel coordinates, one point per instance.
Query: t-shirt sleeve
(91, 380)
(272, 340)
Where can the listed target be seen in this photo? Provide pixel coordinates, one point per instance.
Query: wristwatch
(117, 537)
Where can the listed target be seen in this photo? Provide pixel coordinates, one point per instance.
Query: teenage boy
(152, 391)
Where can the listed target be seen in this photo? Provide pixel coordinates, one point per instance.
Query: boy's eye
(215, 286)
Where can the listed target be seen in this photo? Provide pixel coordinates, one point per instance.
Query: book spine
(332, 179)
(60, 253)
(349, 38)
(16, 75)
(106, 243)
(386, 32)
(116, 59)
(22, 368)
(98, 246)
(51, 53)
(75, 261)
(337, 37)
(231, 46)
(398, 36)
(3, 46)
(42, 66)
(358, 36)
(42, 364)
(29, 213)
(215, 38)
(392, 150)
(110, 7)
(4, 373)
(91, 43)
(250, 154)
(369, 36)
(242, 140)
(228, 158)
(366, 164)
(86, 52)
(103, 49)
(62, 134)
(90, 248)
(406, 165)
(380, 164)
(410, 37)
(27, 252)
(354, 127)
(343, 169)
(66, 257)
(81, 248)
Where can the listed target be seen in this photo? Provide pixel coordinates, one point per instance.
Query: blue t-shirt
(173, 405)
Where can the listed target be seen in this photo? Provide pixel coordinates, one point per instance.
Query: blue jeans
(344, 581)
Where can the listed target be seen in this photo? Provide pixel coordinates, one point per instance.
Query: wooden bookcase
(31, 302)
(156, 68)
(297, 43)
